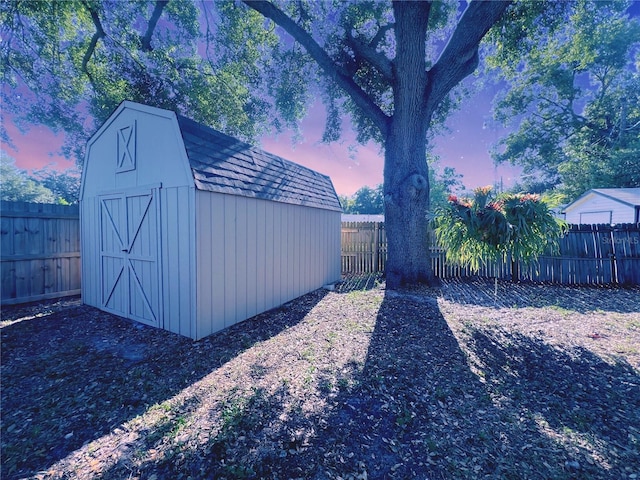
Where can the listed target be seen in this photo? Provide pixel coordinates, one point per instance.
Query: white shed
(187, 229)
(605, 205)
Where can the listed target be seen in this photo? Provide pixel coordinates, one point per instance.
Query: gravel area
(465, 381)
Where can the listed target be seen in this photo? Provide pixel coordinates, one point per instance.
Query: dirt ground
(469, 380)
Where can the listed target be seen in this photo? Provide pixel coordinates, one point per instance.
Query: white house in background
(356, 217)
(605, 206)
(189, 230)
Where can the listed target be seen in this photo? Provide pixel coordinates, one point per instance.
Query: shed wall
(247, 250)
(176, 258)
(136, 148)
(598, 206)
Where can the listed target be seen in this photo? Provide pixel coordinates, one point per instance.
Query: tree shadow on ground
(483, 292)
(421, 410)
(357, 282)
(427, 404)
(568, 393)
(73, 373)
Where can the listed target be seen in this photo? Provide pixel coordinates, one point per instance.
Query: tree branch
(153, 21)
(328, 66)
(99, 33)
(371, 55)
(382, 31)
(460, 57)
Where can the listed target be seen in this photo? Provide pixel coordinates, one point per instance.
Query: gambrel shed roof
(223, 164)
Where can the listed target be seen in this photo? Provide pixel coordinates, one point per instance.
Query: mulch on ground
(467, 380)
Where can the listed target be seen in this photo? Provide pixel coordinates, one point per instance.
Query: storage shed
(187, 229)
(605, 205)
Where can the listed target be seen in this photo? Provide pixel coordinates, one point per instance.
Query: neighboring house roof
(224, 164)
(626, 196)
(353, 217)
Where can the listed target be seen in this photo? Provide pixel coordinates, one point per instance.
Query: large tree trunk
(406, 186)
(417, 92)
(406, 178)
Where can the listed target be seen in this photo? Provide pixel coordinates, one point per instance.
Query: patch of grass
(238, 471)
(232, 412)
(632, 324)
(326, 385)
(331, 338)
(405, 417)
(307, 354)
(561, 310)
(177, 425)
(344, 383)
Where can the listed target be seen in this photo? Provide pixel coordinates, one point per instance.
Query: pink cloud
(35, 148)
(466, 149)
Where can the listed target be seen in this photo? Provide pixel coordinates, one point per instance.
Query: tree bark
(417, 92)
(406, 204)
(406, 178)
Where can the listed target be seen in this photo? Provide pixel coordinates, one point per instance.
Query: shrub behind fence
(589, 254)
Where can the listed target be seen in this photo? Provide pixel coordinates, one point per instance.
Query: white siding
(254, 255)
(178, 258)
(599, 208)
(156, 159)
(90, 250)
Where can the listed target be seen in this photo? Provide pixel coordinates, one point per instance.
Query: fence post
(376, 246)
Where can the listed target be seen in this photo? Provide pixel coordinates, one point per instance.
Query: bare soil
(464, 381)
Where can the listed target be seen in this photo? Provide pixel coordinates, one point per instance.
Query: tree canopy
(392, 67)
(42, 186)
(18, 187)
(575, 90)
(69, 64)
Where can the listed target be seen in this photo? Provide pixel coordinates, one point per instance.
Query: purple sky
(466, 148)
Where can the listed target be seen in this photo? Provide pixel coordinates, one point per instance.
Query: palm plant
(516, 226)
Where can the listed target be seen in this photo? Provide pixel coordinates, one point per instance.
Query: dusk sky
(466, 148)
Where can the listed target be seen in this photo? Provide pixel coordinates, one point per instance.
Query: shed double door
(130, 275)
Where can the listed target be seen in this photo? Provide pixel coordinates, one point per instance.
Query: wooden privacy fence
(364, 247)
(589, 254)
(592, 254)
(40, 251)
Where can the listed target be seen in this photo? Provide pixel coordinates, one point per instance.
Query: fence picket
(625, 243)
(40, 253)
(588, 254)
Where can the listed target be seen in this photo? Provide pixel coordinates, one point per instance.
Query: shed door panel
(130, 277)
(113, 259)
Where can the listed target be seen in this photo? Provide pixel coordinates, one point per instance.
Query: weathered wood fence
(39, 251)
(40, 254)
(589, 254)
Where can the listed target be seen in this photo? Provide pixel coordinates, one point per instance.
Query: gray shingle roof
(630, 196)
(224, 164)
